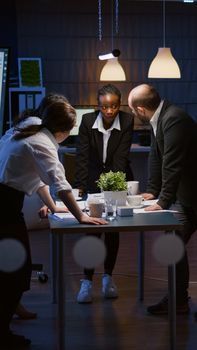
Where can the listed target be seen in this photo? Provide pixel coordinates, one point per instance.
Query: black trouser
(9, 300)
(188, 217)
(112, 245)
(12, 226)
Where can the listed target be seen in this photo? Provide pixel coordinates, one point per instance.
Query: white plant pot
(120, 196)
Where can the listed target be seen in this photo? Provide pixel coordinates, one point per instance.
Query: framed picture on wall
(30, 72)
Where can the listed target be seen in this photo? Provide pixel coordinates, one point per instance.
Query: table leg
(53, 267)
(172, 305)
(60, 292)
(141, 266)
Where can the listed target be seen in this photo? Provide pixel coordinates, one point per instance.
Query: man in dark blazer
(105, 138)
(172, 173)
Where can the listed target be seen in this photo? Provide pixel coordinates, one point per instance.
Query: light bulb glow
(164, 65)
(112, 71)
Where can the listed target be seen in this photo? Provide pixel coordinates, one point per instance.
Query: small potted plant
(114, 185)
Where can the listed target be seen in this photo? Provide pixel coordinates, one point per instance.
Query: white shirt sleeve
(28, 163)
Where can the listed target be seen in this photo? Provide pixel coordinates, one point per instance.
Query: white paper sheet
(139, 211)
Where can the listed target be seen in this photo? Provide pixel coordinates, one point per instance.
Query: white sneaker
(109, 289)
(85, 292)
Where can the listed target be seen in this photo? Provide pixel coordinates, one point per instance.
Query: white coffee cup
(133, 187)
(96, 208)
(135, 200)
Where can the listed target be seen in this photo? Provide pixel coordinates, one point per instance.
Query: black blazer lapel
(98, 137)
(113, 142)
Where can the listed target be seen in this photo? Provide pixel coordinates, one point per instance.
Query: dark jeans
(188, 217)
(112, 245)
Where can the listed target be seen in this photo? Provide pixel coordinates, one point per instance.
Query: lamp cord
(112, 25)
(116, 20)
(117, 17)
(100, 19)
(100, 34)
(164, 24)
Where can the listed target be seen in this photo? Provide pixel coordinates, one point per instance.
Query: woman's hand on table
(86, 219)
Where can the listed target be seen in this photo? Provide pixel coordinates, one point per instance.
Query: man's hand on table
(153, 207)
(147, 196)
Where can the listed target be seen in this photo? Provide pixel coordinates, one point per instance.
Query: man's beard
(143, 119)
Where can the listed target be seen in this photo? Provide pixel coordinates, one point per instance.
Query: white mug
(133, 187)
(96, 208)
(135, 200)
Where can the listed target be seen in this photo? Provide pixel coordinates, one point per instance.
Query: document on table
(142, 210)
(66, 216)
(81, 204)
(63, 216)
(148, 203)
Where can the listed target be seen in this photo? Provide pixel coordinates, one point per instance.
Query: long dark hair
(58, 116)
(48, 100)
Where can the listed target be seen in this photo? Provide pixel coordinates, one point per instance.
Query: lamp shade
(164, 65)
(112, 71)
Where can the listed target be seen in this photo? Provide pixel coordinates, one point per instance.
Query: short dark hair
(108, 89)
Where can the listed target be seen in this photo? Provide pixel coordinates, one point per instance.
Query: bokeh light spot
(89, 252)
(12, 255)
(168, 249)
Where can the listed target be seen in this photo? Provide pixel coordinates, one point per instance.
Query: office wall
(8, 31)
(65, 35)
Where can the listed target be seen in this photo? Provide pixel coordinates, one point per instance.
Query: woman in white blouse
(26, 118)
(28, 163)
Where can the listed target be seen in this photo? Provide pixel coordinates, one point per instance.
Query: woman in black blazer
(105, 138)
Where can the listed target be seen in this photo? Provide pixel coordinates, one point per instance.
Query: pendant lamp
(112, 70)
(164, 64)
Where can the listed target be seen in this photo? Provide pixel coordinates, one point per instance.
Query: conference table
(142, 222)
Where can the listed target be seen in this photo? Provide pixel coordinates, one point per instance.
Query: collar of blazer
(166, 105)
(113, 141)
(164, 112)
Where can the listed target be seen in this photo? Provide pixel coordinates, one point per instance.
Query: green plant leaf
(112, 181)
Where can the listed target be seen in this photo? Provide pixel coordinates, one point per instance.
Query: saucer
(136, 206)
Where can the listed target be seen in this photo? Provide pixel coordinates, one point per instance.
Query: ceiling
(162, 0)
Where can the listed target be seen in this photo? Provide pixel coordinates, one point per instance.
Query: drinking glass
(110, 209)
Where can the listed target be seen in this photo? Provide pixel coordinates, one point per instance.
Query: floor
(121, 324)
